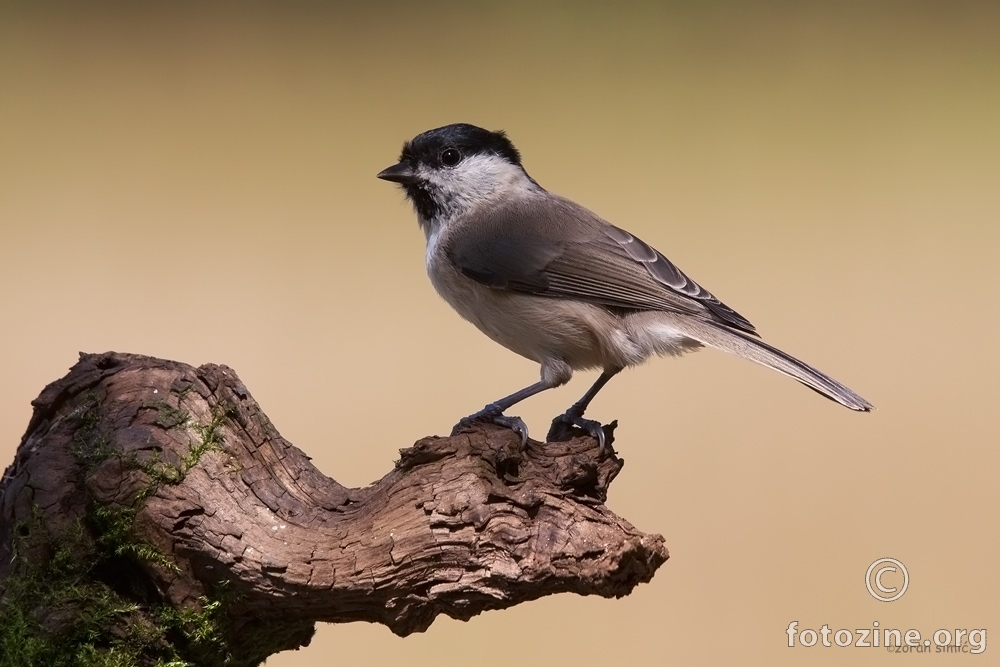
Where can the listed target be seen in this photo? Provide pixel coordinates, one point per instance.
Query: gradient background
(197, 182)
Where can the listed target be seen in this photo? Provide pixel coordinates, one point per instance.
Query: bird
(555, 283)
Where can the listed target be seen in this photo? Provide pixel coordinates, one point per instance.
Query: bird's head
(453, 169)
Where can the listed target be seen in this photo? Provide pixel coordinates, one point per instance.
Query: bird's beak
(398, 173)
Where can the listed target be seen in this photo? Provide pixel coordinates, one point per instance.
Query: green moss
(202, 628)
(50, 619)
(113, 527)
(81, 597)
(168, 416)
(56, 612)
(91, 443)
(209, 439)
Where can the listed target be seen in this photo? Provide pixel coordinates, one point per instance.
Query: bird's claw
(517, 425)
(562, 425)
(492, 414)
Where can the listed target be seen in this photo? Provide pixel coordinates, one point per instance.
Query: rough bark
(164, 488)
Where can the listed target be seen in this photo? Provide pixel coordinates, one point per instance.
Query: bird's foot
(562, 429)
(493, 414)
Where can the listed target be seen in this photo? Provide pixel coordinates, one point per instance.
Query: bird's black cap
(426, 148)
(433, 148)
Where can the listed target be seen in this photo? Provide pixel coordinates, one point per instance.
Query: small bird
(553, 282)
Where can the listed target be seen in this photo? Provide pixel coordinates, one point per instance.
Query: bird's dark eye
(450, 157)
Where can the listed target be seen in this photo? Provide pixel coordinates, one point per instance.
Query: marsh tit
(553, 282)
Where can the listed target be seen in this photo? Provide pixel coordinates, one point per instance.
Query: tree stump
(154, 515)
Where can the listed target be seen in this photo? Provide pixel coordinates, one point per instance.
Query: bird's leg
(493, 413)
(562, 424)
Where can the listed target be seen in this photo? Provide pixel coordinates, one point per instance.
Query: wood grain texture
(458, 526)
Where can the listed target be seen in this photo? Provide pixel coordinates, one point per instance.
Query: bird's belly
(583, 335)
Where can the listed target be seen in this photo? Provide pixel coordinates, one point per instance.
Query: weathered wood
(184, 496)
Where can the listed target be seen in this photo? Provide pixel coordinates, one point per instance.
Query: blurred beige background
(197, 182)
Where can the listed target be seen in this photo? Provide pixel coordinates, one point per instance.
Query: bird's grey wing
(666, 272)
(556, 248)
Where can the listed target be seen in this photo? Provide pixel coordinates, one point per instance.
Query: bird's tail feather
(754, 349)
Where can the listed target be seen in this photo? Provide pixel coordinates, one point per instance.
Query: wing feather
(554, 247)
